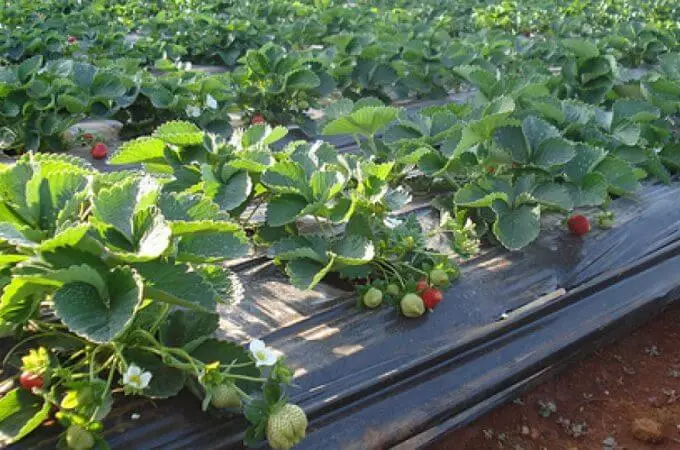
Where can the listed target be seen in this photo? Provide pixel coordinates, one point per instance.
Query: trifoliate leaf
(366, 121)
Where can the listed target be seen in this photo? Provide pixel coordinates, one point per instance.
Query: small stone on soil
(647, 430)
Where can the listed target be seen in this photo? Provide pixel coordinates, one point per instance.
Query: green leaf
(670, 155)
(213, 350)
(165, 381)
(52, 186)
(474, 196)
(552, 152)
(116, 206)
(326, 185)
(553, 194)
(179, 133)
(29, 67)
(108, 85)
(10, 260)
(98, 319)
(188, 207)
(286, 177)
(305, 274)
(210, 241)
(257, 62)
(232, 193)
(585, 160)
(302, 79)
(141, 150)
(83, 273)
(516, 227)
(284, 209)
(221, 280)
(14, 236)
(354, 250)
(634, 111)
(366, 121)
(512, 140)
(592, 191)
(73, 104)
(20, 413)
(537, 131)
(297, 247)
(484, 80)
(255, 161)
(182, 327)
(654, 166)
(626, 132)
(619, 175)
(21, 297)
(155, 236)
(179, 280)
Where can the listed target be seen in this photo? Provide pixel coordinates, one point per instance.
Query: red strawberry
(71, 40)
(257, 119)
(99, 151)
(29, 380)
(422, 285)
(490, 170)
(88, 136)
(431, 297)
(578, 224)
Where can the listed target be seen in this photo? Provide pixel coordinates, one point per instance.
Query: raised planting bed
(375, 380)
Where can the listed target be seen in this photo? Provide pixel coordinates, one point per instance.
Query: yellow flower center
(135, 379)
(261, 355)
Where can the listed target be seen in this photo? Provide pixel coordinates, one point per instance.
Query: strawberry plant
(588, 74)
(281, 85)
(110, 289)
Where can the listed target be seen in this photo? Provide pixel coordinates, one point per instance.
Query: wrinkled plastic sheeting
(329, 334)
(338, 350)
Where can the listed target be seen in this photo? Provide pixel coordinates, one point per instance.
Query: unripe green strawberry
(373, 298)
(225, 396)
(438, 277)
(392, 289)
(78, 438)
(412, 305)
(286, 427)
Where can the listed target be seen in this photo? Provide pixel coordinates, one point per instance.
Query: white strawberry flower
(193, 111)
(263, 355)
(136, 378)
(210, 102)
